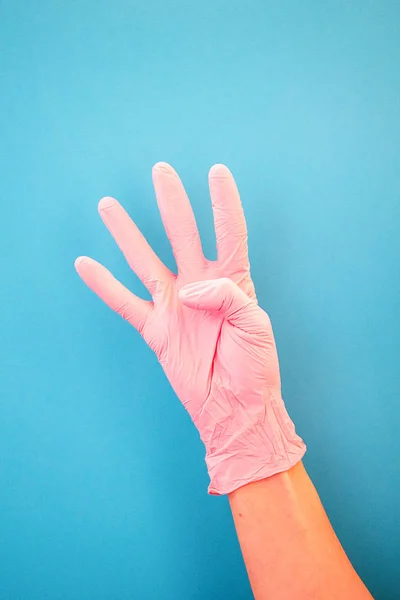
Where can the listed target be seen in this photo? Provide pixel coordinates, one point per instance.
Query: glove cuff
(269, 446)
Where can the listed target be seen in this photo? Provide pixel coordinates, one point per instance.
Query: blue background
(102, 478)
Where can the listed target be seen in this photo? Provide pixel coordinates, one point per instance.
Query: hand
(213, 341)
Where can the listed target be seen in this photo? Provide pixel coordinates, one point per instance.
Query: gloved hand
(213, 341)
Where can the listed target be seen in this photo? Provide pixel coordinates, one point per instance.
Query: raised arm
(217, 348)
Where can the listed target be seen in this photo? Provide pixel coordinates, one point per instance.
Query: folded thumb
(220, 295)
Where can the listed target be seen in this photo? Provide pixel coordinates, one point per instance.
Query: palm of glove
(213, 363)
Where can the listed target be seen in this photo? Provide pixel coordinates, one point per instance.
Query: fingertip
(83, 262)
(163, 167)
(219, 170)
(196, 288)
(183, 293)
(106, 202)
(80, 261)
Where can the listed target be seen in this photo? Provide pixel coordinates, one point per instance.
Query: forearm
(289, 547)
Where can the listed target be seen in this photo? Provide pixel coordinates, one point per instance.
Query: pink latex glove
(213, 341)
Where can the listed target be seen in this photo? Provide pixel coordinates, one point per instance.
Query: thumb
(219, 295)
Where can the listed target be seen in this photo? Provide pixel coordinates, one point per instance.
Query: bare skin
(289, 547)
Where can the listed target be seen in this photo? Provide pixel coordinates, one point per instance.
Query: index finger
(229, 221)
